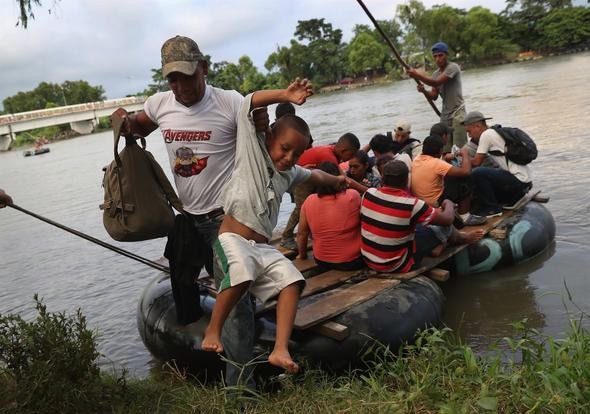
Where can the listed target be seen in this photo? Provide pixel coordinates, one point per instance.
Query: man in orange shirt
(434, 179)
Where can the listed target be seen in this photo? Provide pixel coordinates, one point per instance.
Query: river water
(548, 98)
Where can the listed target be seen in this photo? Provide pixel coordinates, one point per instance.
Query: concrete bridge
(82, 118)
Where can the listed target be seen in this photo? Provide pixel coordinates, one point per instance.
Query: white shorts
(247, 261)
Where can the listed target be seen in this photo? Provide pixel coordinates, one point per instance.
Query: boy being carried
(264, 170)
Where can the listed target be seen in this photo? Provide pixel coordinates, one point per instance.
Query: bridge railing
(46, 113)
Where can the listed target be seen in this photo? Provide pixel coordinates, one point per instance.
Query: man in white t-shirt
(494, 187)
(199, 124)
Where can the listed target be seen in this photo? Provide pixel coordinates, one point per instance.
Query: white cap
(403, 126)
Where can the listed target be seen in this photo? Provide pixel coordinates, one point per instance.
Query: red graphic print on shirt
(187, 163)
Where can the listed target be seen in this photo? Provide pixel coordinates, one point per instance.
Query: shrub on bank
(50, 365)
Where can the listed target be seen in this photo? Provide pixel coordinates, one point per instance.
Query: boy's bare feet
(283, 359)
(212, 342)
(471, 236)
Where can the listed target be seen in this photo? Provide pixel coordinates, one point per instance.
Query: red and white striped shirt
(388, 222)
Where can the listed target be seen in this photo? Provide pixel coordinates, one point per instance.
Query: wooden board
(318, 284)
(305, 265)
(332, 330)
(438, 275)
(339, 301)
(325, 280)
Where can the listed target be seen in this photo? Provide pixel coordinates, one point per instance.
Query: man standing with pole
(446, 82)
(396, 54)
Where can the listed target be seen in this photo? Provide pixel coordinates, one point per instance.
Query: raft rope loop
(395, 52)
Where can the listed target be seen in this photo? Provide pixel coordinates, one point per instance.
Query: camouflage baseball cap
(180, 54)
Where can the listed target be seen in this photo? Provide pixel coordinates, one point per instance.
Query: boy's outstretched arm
(296, 93)
(319, 177)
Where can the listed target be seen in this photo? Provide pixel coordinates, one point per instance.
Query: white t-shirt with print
(490, 140)
(201, 143)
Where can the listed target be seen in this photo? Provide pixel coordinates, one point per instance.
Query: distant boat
(36, 151)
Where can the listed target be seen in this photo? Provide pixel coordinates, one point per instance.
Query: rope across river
(116, 249)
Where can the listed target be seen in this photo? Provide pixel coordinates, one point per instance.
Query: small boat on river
(341, 313)
(36, 151)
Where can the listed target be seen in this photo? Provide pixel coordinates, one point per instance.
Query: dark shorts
(355, 264)
(456, 189)
(425, 240)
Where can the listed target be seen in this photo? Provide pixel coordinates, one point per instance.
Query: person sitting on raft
(434, 179)
(347, 145)
(359, 174)
(264, 170)
(495, 187)
(332, 217)
(395, 235)
(382, 146)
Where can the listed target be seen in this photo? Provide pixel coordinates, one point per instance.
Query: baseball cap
(440, 47)
(395, 168)
(180, 54)
(440, 128)
(403, 126)
(473, 117)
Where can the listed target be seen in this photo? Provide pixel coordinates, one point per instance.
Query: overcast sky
(115, 43)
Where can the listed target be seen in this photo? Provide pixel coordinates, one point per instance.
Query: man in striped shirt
(393, 223)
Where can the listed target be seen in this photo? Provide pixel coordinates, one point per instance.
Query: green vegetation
(50, 95)
(50, 365)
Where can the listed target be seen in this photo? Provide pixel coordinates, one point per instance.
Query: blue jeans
(494, 187)
(238, 330)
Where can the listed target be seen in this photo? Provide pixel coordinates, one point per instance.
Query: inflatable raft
(391, 314)
(523, 235)
(391, 317)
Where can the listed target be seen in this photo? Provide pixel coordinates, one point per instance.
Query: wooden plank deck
(340, 300)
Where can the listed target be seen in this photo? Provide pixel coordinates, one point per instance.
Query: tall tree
(414, 21)
(482, 36)
(523, 17)
(243, 77)
(446, 24)
(290, 62)
(364, 54)
(563, 28)
(324, 49)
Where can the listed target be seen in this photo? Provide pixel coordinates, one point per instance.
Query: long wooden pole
(395, 52)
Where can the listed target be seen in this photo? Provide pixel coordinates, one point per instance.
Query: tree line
(476, 37)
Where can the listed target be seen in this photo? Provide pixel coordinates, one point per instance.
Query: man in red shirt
(347, 145)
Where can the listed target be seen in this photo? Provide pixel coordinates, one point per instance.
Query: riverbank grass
(50, 364)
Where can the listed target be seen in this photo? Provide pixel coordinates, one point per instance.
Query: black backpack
(520, 147)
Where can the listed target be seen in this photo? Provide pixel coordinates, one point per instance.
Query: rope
(116, 249)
